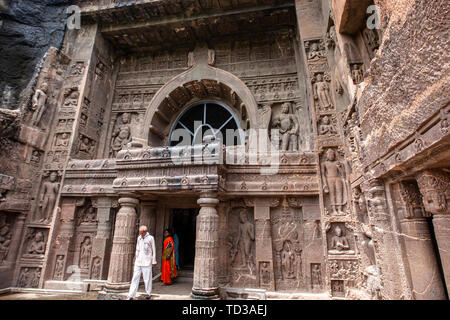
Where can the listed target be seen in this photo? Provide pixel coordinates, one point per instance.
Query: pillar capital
(208, 199)
(129, 202)
(434, 187)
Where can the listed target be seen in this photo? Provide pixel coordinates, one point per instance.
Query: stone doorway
(183, 222)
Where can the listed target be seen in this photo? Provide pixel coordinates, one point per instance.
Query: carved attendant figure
(333, 182)
(59, 266)
(121, 135)
(39, 100)
(48, 199)
(245, 239)
(37, 246)
(287, 261)
(339, 243)
(288, 126)
(85, 254)
(326, 127)
(357, 74)
(316, 276)
(96, 266)
(322, 93)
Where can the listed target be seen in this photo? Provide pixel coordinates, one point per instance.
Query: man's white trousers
(146, 274)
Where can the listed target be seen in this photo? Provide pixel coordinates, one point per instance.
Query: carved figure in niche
(63, 140)
(314, 53)
(334, 183)
(317, 231)
(89, 215)
(35, 278)
(264, 273)
(372, 282)
(339, 243)
(86, 145)
(357, 74)
(326, 127)
(321, 90)
(35, 156)
(244, 240)
(288, 126)
(85, 253)
(24, 278)
(37, 244)
(287, 261)
(83, 119)
(47, 202)
(39, 100)
(72, 100)
(5, 240)
(59, 267)
(96, 267)
(121, 135)
(316, 276)
(264, 115)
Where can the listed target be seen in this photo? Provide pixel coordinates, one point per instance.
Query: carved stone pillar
(205, 285)
(122, 254)
(64, 238)
(386, 243)
(425, 275)
(263, 240)
(17, 236)
(101, 243)
(434, 187)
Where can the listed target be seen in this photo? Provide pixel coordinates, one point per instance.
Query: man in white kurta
(145, 260)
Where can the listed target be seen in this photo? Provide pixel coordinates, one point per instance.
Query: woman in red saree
(168, 267)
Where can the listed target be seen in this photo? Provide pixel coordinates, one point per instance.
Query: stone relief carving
(288, 125)
(338, 242)
(357, 73)
(62, 140)
(326, 126)
(29, 277)
(434, 187)
(333, 176)
(315, 50)
(39, 104)
(288, 261)
(5, 237)
(316, 276)
(71, 98)
(36, 244)
(321, 91)
(121, 134)
(343, 269)
(85, 253)
(58, 273)
(264, 116)
(265, 275)
(48, 198)
(96, 268)
(337, 288)
(88, 215)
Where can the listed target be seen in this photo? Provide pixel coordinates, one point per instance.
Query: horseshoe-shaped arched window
(206, 118)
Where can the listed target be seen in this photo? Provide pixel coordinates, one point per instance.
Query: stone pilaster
(102, 240)
(385, 239)
(434, 187)
(205, 285)
(263, 239)
(148, 216)
(122, 255)
(17, 236)
(425, 274)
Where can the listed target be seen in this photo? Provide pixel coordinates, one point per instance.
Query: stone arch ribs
(202, 81)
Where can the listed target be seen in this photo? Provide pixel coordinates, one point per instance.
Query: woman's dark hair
(168, 230)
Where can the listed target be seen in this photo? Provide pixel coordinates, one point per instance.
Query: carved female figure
(85, 254)
(121, 135)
